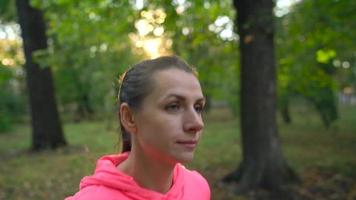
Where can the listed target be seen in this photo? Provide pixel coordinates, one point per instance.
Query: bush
(11, 98)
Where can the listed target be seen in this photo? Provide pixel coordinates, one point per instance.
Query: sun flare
(150, 38)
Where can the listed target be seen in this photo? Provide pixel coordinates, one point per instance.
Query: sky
(283, 7)
(9, 31)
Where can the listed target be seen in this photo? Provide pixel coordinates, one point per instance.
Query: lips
(189, 144)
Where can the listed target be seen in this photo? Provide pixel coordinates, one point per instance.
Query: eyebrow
(180, 97)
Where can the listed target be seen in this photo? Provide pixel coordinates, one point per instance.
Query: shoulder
(194, 177)
(194, 182)
(97, 192)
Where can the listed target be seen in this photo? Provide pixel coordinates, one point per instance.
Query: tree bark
(263, 165)
(46, 126)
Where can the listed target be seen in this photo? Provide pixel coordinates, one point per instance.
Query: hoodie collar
(106, 174)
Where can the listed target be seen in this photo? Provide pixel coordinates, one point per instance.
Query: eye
(173, 107)
(199, 108)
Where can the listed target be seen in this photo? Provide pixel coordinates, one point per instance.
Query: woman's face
(169, 123)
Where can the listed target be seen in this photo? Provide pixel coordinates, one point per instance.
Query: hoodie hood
(107, 175)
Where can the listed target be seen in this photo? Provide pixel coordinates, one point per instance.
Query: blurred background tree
(316, 42)
(47, 132)
(263, 164)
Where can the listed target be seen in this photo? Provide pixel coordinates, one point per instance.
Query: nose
(193, 122)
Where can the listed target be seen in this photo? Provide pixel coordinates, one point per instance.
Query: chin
(185, 158)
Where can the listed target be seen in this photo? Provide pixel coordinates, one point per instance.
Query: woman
(161, 103)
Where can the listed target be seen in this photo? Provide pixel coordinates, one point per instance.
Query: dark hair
(136, 83)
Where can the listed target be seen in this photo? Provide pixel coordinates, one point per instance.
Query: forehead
(176, 81)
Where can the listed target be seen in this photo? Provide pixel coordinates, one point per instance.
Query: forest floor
(324, 159)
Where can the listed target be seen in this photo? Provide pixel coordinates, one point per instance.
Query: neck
(148, 173)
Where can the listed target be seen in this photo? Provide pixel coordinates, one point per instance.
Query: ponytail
(126, 140)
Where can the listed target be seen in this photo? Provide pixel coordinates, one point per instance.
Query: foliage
(311, 38)
(7, 10)
(11, 83)
(91, 42)
(11, 101)
(88, 49)
(89, 38)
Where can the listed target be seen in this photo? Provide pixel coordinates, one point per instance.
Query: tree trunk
(46, 126)
(263, 165)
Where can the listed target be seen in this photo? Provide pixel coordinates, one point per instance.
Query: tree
(315, 41)
(263, 165)
(46, 126)
(97, 48)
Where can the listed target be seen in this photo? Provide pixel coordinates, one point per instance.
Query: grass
(307, 145)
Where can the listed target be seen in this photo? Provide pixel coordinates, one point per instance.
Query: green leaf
(324, 56)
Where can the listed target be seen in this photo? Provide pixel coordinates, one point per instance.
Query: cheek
(160, 129)
(155, 137)
(157, 122)
(163, 128)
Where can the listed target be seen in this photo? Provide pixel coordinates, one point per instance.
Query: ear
(127, 118)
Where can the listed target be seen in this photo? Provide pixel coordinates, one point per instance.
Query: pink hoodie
(108, 183)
